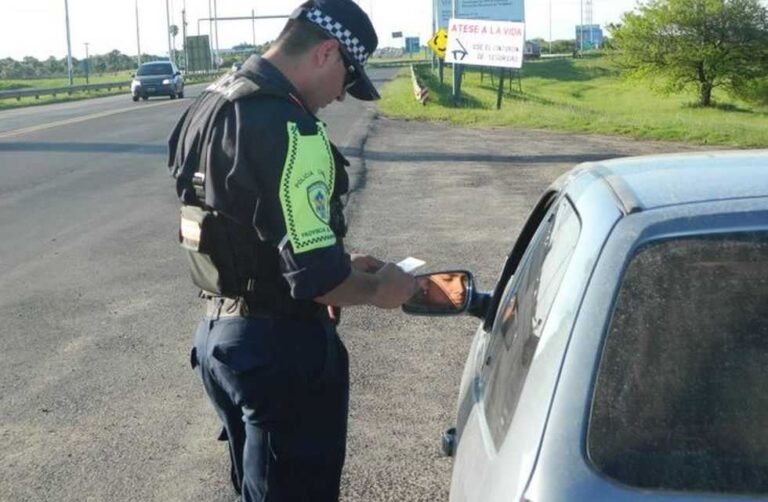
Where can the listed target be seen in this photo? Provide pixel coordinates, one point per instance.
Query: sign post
(500, 92)
(456, 67)
(443, 13)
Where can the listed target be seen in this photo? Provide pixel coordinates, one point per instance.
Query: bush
(754, 91)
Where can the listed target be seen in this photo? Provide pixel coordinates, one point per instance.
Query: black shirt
(272, 166)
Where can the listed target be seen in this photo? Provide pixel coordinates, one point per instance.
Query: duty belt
(218, 307)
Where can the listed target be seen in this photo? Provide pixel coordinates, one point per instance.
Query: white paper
(410, 264)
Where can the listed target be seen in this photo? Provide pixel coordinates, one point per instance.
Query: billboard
(489, 10)
(589, 36)
(198, 53)
(443, 13)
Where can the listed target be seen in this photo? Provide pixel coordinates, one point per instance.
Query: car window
(523, 312)
(521, 244)
(681, 401)
(155, 69)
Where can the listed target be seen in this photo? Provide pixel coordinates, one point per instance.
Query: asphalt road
(97, 400)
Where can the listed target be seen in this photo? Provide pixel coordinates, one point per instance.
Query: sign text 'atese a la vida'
(485, 43)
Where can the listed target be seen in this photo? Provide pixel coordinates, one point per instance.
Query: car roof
(642, 183)
(148, 63)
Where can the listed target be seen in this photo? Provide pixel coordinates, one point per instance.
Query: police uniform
(262, 226)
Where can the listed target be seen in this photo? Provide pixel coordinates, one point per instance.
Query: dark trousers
(281, 390)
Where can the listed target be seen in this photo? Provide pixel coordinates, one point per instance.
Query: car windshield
(155, 69)
(681, 400)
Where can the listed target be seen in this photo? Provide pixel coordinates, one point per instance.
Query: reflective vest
(226, 257)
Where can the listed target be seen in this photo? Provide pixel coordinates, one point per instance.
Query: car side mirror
(177, 74)
(133, 75)
(441, 294)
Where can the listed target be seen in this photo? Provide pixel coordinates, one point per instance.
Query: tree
(54, 67)
(244, 46)
(701, 44)
(30, 67)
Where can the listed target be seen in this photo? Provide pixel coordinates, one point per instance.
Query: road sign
(412, 45)
(397, 34)
(485, 43)
(439, 42)
(198, 53)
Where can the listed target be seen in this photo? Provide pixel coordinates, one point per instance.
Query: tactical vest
(227, 258)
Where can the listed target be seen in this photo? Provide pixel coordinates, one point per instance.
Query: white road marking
(84, 118)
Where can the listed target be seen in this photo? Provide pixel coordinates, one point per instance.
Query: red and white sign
(485, 43)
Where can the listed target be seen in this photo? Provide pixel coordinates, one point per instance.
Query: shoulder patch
(306, 187)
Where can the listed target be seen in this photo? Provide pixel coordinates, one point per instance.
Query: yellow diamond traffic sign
(439, 42)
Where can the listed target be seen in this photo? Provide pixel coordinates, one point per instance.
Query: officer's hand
(395, 287)
(366, 263)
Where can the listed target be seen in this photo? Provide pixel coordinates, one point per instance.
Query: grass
(45, 83)
(7, 104)
(581, 95)
(120, 77)
(403, 60)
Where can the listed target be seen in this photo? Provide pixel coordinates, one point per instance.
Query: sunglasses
(350, 76)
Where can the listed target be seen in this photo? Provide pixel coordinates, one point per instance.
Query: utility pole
(588, 22)
(138, 39)
(210, 32)
(69, 45)
(253, 27)
(216, 25)
(550, 26)
(168, 29)
(87, 65)
(184, 33)
(580, 31)
(184, 37)
(174, 32)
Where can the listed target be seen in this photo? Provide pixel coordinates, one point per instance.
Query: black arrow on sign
(463, 52)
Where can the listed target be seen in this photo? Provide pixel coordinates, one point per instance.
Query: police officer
(262, 226)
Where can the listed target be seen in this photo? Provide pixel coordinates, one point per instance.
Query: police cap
(350, 25)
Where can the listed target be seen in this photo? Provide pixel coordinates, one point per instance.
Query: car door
(534, 271)
(477, 351)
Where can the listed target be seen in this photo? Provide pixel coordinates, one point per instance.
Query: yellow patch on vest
(306, 187)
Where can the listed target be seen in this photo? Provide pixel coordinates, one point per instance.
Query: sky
(37, 27)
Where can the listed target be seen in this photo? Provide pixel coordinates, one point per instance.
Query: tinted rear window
(681, 401)
(155, 69)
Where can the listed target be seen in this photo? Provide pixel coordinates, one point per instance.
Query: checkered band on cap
(351, 43)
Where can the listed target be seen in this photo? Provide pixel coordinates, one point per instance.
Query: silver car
(623, 354)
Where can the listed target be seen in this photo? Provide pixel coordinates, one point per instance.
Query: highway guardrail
(17, 94)
(395, 64)
(53, 91)
(420, 91)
